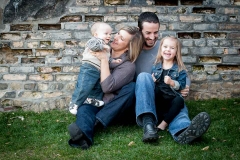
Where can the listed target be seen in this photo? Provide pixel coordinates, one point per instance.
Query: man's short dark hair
(147, 17)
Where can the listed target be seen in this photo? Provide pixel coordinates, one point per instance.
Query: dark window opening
(72, 18)
(215, 35)
(189, 35)
(191, 2)
(166, 2)
(236, 2)
(204, 10)
(21, 27)
(94, 18)
(49, 26)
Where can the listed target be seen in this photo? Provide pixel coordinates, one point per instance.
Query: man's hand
(185, 91)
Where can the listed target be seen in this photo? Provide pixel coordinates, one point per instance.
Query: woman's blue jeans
(112, 111)
(145, 103)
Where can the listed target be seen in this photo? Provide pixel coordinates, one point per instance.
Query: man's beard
(150, 45)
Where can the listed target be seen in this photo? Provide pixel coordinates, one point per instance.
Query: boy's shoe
(94, 102)
(197, 128)
(73, 108)
(150, 133)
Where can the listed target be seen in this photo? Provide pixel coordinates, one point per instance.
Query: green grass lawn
(29, 135)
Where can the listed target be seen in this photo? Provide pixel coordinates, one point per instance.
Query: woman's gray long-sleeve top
(121, 74)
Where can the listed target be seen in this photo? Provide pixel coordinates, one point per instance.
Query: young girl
(169, 75)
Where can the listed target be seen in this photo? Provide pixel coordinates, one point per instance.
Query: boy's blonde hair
(96, 26)
(177, 58)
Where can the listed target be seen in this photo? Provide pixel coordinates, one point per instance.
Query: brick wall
(39, 59)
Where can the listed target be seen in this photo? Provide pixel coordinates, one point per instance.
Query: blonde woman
(116, 82)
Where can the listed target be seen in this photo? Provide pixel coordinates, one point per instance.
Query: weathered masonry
(41, 43)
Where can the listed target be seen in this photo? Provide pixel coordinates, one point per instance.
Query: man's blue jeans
(112, 111)
(88, 84)
(145, 103)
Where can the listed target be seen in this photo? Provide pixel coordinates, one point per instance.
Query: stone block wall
(40, 55)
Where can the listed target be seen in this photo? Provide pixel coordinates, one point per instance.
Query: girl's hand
(154, 79)
(167, 80)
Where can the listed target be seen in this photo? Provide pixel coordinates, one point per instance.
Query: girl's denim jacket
(179, 78)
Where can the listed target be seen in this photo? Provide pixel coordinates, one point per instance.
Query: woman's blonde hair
(177, 58)
(136, 42)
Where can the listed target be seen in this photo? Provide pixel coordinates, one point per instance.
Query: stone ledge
(37, 106)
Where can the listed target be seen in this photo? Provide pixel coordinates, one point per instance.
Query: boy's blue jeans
(110, 112)
(88, 84)
(145, 103)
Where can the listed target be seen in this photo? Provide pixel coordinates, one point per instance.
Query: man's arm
(185, 91)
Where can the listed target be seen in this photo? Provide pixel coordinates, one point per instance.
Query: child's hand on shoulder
(116, 61)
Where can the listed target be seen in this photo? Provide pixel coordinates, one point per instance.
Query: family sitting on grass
(137, 72)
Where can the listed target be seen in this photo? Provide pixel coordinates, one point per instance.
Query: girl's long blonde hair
(177, 58)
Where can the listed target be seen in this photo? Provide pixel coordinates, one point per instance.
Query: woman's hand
(100, 55)
(104, 66)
